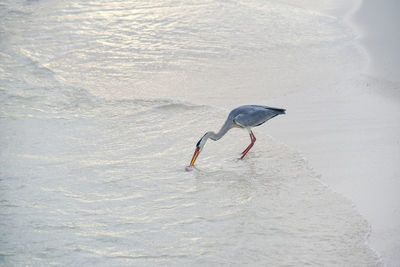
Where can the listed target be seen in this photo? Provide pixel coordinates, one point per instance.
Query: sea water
(102, 104)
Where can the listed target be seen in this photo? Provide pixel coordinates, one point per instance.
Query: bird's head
(199, 147)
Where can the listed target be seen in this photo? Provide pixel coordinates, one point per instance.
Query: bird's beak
(195, 155)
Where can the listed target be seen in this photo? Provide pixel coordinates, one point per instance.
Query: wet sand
(351, 135)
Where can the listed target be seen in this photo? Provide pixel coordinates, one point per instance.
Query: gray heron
(246, 117)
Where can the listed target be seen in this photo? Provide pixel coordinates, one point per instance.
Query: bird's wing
(254, 118)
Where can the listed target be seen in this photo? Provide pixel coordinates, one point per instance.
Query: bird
(246, 117)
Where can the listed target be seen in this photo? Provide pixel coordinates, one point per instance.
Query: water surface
(101, 106)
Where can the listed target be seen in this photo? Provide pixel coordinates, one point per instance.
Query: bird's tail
(278, 110)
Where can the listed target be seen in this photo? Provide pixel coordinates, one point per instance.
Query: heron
(245, 117)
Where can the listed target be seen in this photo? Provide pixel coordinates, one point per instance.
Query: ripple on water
(89, 180)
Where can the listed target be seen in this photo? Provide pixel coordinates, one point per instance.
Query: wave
(120, 165)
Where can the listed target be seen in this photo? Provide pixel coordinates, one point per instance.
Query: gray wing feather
(256, 116)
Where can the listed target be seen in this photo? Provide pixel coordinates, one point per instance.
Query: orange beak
(195, 155)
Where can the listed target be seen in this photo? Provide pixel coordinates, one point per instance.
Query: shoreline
(346, 152)
(380, 37)
(350, 136)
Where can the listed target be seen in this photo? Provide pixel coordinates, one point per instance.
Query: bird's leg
(253, 140)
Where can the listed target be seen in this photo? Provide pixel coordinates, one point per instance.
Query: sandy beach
(356, 153)
(351, 136)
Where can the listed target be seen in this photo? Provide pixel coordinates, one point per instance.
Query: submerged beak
(195, 155)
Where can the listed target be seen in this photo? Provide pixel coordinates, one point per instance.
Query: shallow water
(108, 187)
(94, 139)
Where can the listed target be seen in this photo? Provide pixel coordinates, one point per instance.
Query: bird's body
(247, 116)
(252, 115)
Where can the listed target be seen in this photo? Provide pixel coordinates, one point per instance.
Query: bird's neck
(221, 132)
(215, 136)
(212, 136)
